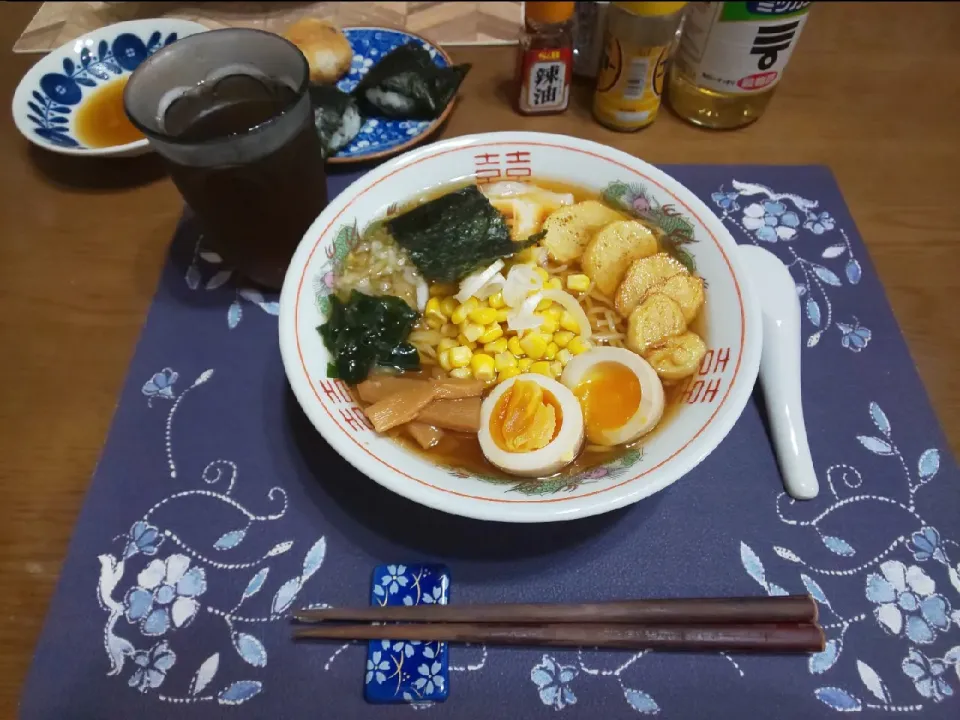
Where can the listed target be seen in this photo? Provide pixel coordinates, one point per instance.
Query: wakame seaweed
(367, 331)
(450, 237)
(406, 83)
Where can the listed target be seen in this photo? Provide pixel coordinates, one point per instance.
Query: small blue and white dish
(48, 97)
(383, 137)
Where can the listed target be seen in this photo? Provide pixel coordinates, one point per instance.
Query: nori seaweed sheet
(410, 72)
(450, 237)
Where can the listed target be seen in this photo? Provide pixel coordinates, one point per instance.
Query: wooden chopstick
(782, 609)
(757, 637)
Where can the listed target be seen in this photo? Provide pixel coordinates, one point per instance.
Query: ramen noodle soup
(515, 330)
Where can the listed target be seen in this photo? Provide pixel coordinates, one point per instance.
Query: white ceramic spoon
(780, 368)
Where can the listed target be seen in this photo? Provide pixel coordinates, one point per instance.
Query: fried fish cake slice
(687, 290)
(643, 277)
(677, 357)
(654, 320)
(609, 254)
(569, 229)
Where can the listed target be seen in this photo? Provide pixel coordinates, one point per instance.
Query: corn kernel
(577, 346)
(434, 323)
(513, 344)
(449, 330)
(461, 373)
(502, 315)
(562, 338)
(497, 346)
(444, 359)
(459, 316)
(503, 360)
(446, 344)
(472, 304)
(472, 331)
(508, 373)
(433, 309)
(556, 368)
(578, 283)
(553, 284)
(568, 322)
(448, 305)
(460, 356)
(551, 352)
(482, 366)
(534, 345)
(492, 332)
(544, 305)
(462, 340)
(544, 275)
(556, 312)
(496, 301)
(524, 364)
(549, 325)
(483, 315)
(541, 368)
(564, 356)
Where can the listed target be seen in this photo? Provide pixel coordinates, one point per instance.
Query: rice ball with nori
(337, 117)
(407, 84)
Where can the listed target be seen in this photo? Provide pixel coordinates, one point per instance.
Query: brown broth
(101, 120)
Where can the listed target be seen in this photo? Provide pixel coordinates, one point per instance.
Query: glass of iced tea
(229, 112)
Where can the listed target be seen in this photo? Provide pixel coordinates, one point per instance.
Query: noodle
(607, 327)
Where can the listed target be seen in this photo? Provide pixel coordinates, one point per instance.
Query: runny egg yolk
(525, 418)
(609, 394)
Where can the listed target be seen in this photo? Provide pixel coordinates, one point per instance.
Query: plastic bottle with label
(637, 44)
(730, 59)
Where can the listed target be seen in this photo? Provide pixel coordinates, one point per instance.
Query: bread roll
(325, 47)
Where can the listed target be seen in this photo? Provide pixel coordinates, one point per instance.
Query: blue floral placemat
(216, 508)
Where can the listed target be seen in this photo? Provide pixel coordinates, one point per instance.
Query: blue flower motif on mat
(905, 599)
(171, 596)
(152, 666)
(901, 597)
(208, 264)
(928, 674)
(143, 538)
(778, 217)
(160, 385)
(854, 336)
(819, 223)
(58, 93)
(925, 544)
(553, 682)
(770, 221)
(165, 594)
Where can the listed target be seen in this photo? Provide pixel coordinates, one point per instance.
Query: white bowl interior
(708, 405)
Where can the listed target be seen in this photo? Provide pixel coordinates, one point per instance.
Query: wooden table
(871, 92)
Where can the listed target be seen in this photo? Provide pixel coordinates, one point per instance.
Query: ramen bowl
(703, 408)
(52, 93)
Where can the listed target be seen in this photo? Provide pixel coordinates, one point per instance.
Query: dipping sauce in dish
(101, 120)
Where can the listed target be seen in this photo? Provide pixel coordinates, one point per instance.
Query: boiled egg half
(619, 393)
(531, 425)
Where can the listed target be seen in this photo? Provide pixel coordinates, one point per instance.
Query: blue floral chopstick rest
(405, 671)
